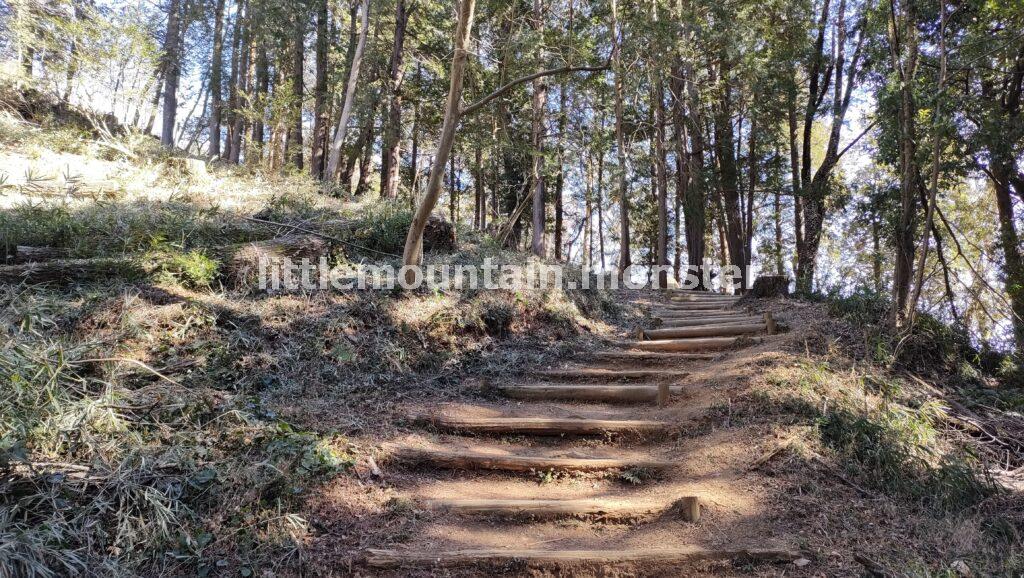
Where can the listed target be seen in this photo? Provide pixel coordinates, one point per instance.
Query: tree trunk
(661, 178)
(620, 146)
(172, 64)
(216, 82)
(242, 85)
(367, 152)
(334, 158)
(321, 104)
(261, 89)
(904, 54)
(780, 268)
(391, 152)
(1010, 243)
(560, 179)
(728, 173)
(298, 53)
(453, 192)
(538, 103)
(413, 253)
(233, 97)
(696, 199)
(600, 202)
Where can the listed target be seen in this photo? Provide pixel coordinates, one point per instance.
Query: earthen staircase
(613, 393)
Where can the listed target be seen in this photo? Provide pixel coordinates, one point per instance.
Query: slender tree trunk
(414, 150)
(904, 55)
(172, 65)
(876, 254)
(233, 97)
(216, 83)
(728, 173)
(242, 80)
(391, 152)
(560, 178)
(261, 89)
(661, 178)
(480, 190)
(413, 253)
(696, 200)
(350, 90)
(321, 104)
(453, 192)
(298, 90)
(539, 102)
(929, 219)
(600, 203)
(363, 184)
(620, 145)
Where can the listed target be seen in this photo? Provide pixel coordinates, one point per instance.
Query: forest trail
(598, 461)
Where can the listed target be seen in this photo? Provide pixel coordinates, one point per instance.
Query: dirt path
(597, 463)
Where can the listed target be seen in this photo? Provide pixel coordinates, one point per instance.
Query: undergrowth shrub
(192, 269)
(94, 483)
(931, 347)
(109, 228)
(892, 450)
(382, 227)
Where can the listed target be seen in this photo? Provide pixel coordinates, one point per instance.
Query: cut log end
(770, 286)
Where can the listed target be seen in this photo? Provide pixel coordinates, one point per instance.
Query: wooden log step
(705, 331)
(695, 344)
(609, 374)
(731, 320)
(702, 299)
(379, 558)
(703, 314)
(688, 508)
(649, 356)
(543, 425)
(475, 460)
(585, 392)
(693, 306)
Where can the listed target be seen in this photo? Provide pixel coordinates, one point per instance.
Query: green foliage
(931, 347)
(192, 269)
(891, 450)
(382, 227)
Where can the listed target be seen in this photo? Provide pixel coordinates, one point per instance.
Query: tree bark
(661, 178)
(172, 64)
(241, 83)
(334, 158)
(321, 104)
(216, 82)
(538, 103)
(903, 47)
(233, 97)
(298, 89)
(620, 148)
(391, 152)
(413, 253)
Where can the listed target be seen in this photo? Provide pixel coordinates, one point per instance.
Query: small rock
(801, 562)
(962, 569)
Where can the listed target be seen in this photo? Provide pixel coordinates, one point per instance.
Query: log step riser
(686, 508)
(513, 463)
(706, 331)
(452, 558)
(615, 393)
(545, 426)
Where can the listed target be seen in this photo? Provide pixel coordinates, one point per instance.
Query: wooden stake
(769, 322)
(689, 507)
(662, 394)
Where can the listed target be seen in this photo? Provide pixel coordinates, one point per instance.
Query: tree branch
(524, 79)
